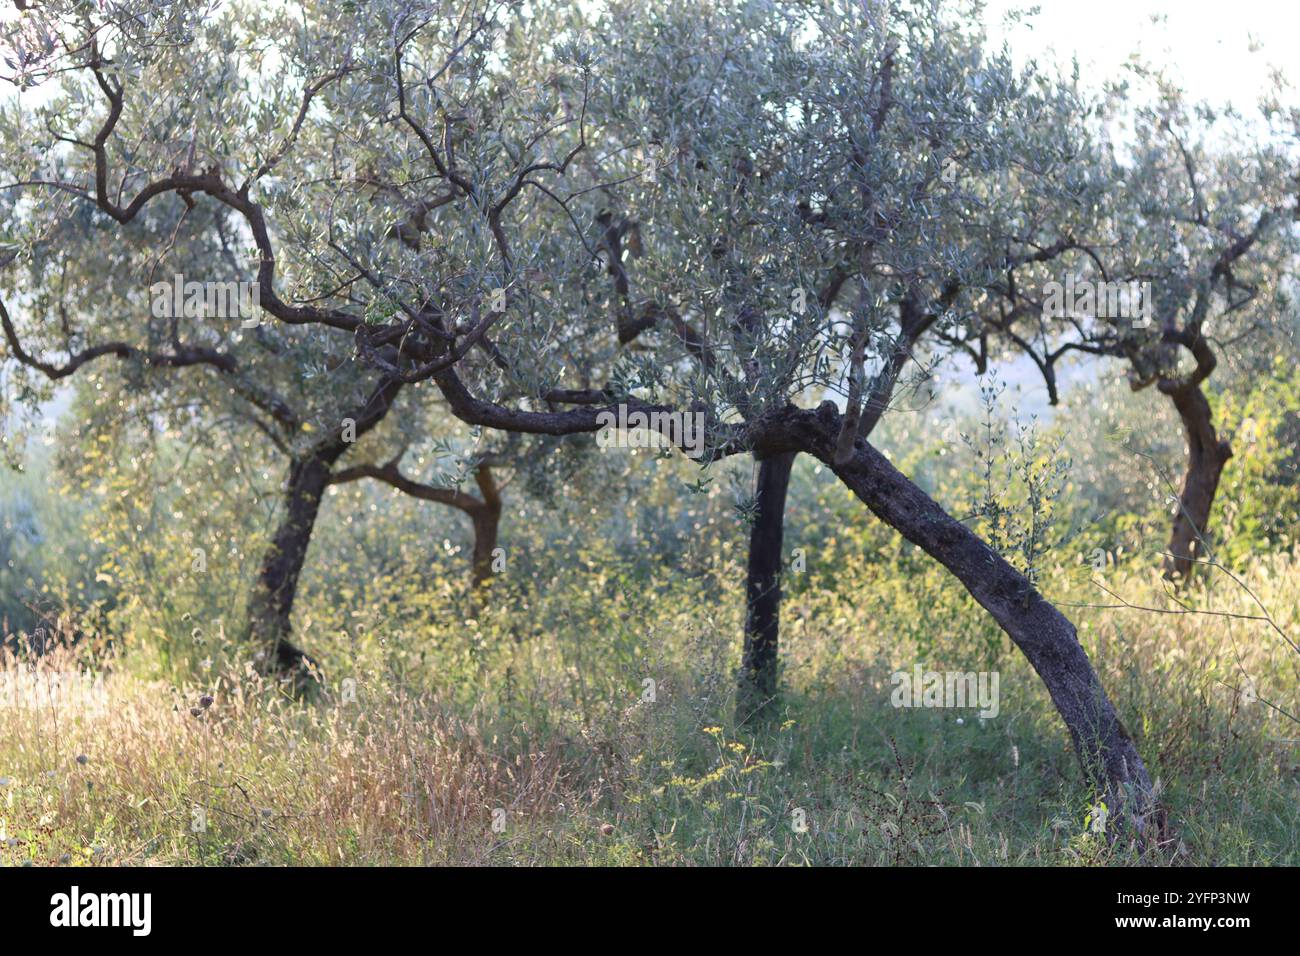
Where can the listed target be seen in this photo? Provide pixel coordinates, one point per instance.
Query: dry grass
(122, 770)
(118, 769)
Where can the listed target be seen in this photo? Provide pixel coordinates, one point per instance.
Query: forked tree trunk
(756, 695)
(270, 606)
(1106, 751)
(758, 682)
(1206, 457)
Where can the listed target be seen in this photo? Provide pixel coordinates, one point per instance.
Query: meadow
(583, 711)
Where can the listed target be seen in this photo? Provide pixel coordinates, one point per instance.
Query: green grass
(538, 711)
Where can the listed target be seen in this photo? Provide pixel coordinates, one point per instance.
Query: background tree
(1201, 232)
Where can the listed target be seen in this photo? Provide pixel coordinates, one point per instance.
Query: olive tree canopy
(491, 202)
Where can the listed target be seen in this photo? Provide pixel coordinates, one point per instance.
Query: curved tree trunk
(1206, 457)
(270, 605)
(485, 513)
(1106, 751)
(756, 694)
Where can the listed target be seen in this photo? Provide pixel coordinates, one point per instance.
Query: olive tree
(779, 174)
(1187, 261)
(780, 169)
(147, 134)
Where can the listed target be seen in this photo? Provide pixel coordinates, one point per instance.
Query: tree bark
(271, 604)
(758, 676)
(757, 692)
(1206, 457)
(487, 521)
(1106, 751)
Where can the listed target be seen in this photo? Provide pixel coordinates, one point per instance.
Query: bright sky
(1207, 44)
(1217, 51)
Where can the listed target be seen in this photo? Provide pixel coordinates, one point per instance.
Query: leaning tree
(762, 183)
(498, 137)
(897, 169)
